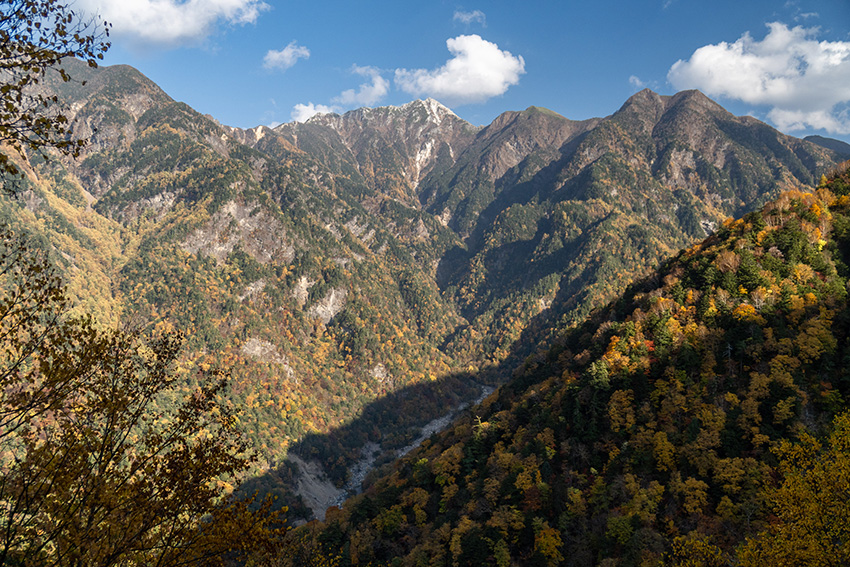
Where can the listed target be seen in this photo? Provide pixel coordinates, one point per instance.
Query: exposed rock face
(301, 290)
(248, 226)
(379, 372)
(328, 307)
(391, 148)
(253, 290)
(254, 136)
(314, 487)
(681, 171)
(267, 352)
(264, 351)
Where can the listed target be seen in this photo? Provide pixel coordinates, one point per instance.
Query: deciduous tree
(35, 35)
(812, 511)
(104, 458)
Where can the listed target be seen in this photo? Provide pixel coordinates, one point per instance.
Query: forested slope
(650, 432)
(357, 258)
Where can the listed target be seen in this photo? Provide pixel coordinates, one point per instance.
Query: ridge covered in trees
(679, 425)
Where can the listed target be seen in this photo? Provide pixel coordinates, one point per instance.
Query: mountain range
(395, 253)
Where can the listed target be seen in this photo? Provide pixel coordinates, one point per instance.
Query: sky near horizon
(252, 62)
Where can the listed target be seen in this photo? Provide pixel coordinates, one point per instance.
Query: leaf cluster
(35, 36)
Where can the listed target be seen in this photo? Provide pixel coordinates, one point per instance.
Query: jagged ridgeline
(334, 262)
(553, 216)
(646, 434)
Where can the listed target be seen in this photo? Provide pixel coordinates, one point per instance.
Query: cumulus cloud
(286, 57)
(476, 16)
(806, 82)
(303, 112)
(171, 22)
(368, 93)
(478, 70)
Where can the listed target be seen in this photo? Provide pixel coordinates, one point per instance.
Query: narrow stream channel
(319, 493)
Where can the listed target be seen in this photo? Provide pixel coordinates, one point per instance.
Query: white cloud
(478, 71)
(368, 93)
(171, 22)
(470, 17)
(286, 57)
(830, 120)
(303, 112)
(806, 82)
(639, 84)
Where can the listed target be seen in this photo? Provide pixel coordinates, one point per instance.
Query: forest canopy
(680, 425)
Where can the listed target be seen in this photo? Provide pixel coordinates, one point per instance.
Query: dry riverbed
(319, 493)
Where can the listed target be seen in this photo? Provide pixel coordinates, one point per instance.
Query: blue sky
(251, 62)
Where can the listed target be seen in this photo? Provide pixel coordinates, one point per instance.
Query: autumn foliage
(108, 456)
(660, 431)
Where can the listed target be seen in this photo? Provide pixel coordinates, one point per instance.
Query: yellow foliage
(506, 519)
(621, 411)
(645, 501)
(696, 550)
(663, 451)
(748, 313)
(691, 491)
(547, 541)
(812, 510)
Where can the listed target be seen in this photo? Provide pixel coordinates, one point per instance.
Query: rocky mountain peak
(644, 99)
(322, 118)
(393, 147)
(119, 86)
(436, 111)
(429, 110)
(644, 108)
(532, 118)
(695, 103)
(647, 109)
